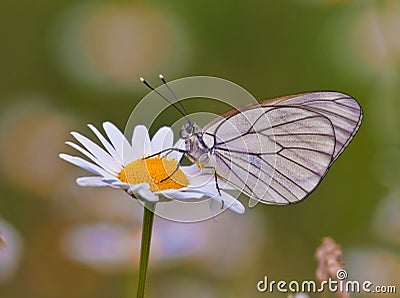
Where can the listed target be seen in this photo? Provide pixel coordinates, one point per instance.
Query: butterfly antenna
(163, 97)
(176, 98)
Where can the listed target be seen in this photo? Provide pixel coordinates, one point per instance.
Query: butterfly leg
(218, 188)
(173, 173)
(177, 168)
(217, 185)
(168, 150)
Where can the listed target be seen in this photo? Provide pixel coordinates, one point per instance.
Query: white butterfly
(277, 151)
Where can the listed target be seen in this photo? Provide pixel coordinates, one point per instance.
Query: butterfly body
(199, 145)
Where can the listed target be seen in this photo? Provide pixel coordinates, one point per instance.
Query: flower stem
(148, 217)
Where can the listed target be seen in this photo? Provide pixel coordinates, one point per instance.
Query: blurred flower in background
(299, 295)
(103, 246)
(11, 251)
(383, 267)
(2, 241)
(365, 46)
(386, 222)
(366, 41)
(30, 135)
(112, 44)
(113, 246)
(329, 257)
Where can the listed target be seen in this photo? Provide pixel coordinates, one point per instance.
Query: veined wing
(342, 110)
(278, 151)
(274, 155)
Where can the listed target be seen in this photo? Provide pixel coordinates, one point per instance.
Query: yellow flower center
(159, 173)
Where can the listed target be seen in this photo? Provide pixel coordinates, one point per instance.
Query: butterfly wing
(277, 152)
(342, 110)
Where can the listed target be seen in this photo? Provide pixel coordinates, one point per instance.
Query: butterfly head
(188, 130)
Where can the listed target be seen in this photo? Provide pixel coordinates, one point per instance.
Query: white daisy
(122, 166)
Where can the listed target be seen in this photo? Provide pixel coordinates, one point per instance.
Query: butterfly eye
(183, 134)
(187, 130)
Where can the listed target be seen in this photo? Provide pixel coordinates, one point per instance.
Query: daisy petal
(104, 159)
(101, 157)
(81, 150)
(131, 187)
(141, 141)
(199, 177)
(163, 139)
(119, 142)
(95, 181)
(147, 195)
(178, 194)
(226, 199)
(191, 171)
(207, 179)
(229, 202)
(84, 164)
(198, 181)
(111, 180)
(106, 144)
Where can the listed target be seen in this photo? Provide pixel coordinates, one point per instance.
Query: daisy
(123, 165)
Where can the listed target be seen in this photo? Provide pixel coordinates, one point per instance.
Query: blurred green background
(64, 64)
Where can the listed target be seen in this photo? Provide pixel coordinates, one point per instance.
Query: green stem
(148, 217)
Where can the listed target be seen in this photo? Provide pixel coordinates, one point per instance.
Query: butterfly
(276, 151)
